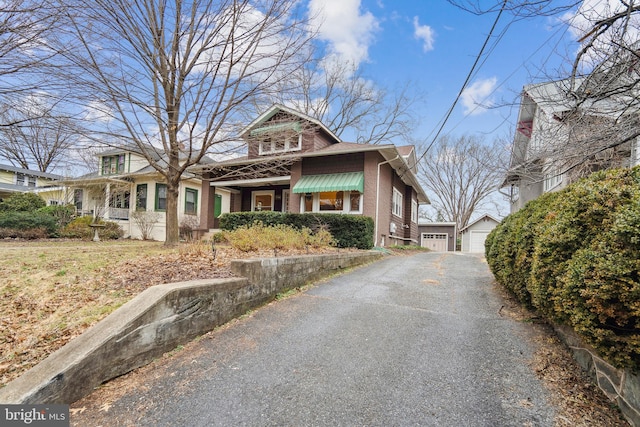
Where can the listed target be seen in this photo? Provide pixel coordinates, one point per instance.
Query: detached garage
(474, 234)
(438, 236)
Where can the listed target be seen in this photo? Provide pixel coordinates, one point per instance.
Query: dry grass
(51, 291)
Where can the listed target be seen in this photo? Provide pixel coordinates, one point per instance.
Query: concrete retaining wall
(161, 318)
(621, 386)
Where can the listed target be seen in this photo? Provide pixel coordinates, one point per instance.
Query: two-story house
(19, 180)
(561, 137)
(126, 187)
(296, 164)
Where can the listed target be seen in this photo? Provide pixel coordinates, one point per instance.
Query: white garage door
(437, 242)
(476, 241)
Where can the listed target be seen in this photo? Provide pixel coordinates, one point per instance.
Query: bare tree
(25, 53)
(592, 107)
(341, 97)
(36, 136)
(170, 77)
(461, 174)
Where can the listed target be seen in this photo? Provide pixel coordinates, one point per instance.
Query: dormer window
(274, 138)
(273, 144)
(113, 164)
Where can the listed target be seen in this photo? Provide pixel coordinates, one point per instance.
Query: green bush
(62, 213)
(79, 229)
(349, 231)
(20, 222)
(22, 202)
(574, 255)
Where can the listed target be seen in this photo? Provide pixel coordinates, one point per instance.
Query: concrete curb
(161, 318)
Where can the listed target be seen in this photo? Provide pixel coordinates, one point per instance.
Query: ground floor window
(332, 201)
(77, 198)
(262, 200)
(191, 201)
(141, 197)
(161, 197)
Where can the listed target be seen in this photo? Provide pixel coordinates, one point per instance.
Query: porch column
(107, 198)
(206, 211)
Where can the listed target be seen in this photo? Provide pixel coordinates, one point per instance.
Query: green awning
(353, 181)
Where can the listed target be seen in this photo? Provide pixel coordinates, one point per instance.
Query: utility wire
(464, 85)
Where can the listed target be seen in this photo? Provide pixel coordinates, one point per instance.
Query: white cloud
(477, 97)
(348, 31)
(424, 33)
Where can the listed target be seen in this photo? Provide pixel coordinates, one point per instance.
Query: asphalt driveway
(409, 340)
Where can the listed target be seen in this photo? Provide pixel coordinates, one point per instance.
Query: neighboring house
(17, 180)
(296, 164)
(551, 146)
(438, 236)
(474, 234)
(127, 190)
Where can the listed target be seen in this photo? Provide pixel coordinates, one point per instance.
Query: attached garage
(474, 234)
(438, 236)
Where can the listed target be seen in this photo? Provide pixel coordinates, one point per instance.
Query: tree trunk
(172, 231)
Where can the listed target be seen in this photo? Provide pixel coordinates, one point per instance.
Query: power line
(464, 85)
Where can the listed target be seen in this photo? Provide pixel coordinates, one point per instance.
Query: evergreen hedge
(349, 231)
(574, 255)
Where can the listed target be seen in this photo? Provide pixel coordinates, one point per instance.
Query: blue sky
(434, 44)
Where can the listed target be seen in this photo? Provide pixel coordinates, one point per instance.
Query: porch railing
(118, 213)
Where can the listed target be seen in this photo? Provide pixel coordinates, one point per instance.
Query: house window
(20, 177)
(414, 211)
(77, 198)
(285, 200)
(280, 144)
(191, 201)
(141, 197)
(113, 164)
(32, 181)
(396, 206)
(120, 200)
(161, 197)
(262, 201)
(332, 201)
(552, 179)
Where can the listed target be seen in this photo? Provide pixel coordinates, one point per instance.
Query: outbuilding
(438, 236)
(474, 234)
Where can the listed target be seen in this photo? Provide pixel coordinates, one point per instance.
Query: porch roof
(352, 181)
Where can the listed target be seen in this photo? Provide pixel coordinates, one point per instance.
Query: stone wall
(621, 386)
(161, 318)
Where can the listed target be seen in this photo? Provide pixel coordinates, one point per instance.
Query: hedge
(79, 229)
(21, 224)
(349, 231)
(574, 255)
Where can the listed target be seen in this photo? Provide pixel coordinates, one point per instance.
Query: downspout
(375, 243)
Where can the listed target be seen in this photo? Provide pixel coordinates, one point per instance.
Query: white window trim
(414, 211)
(261, 193)
(396, 204)
(285, 200)
(346, 204)
(262, 149)
(552, 179)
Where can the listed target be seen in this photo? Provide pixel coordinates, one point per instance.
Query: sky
(433, 45)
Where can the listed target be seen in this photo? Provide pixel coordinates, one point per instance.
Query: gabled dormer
(119, 161)
(282, 130)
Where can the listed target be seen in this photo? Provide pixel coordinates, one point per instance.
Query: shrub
(349, 231)
(23, 221)
(79, 229)
(62, 213)
(276, 237)
(574, 255)
(22, 202)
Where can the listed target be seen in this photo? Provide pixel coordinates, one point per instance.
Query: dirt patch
(578, 400)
